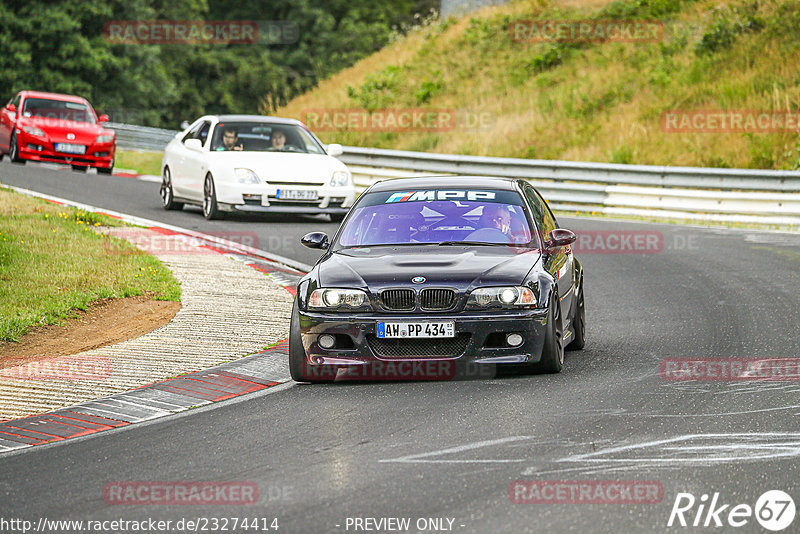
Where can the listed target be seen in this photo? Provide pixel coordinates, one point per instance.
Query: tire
(166, 192)
(13, 150)
(337, 217)
(579, 323)
(210, 207)
(553, 351)
(297, 354)
(106, 170)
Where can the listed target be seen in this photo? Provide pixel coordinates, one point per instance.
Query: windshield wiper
(467, 243)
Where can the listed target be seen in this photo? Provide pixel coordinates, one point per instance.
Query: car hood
(459, 267)
(58, 130)
(281, 167)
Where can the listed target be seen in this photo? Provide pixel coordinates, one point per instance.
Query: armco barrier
(736, 195)
(131, 137)
(743, 195)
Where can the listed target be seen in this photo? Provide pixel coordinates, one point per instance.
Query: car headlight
(501, 297)
(339, 299)
(105, 138)
(246, 176)
(33, 130)
(340, 178)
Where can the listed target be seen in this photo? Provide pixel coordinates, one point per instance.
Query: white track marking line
(418, 458)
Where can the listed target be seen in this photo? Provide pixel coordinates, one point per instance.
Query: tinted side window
(536, 210)
(550, 223)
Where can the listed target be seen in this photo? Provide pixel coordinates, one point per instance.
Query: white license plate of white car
(416, 330)
(296, 194)
(68, 148)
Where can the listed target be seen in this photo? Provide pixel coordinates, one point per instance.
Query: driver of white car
(230, 140)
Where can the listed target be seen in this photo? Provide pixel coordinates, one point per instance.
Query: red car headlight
(105, 138)
(33, 130)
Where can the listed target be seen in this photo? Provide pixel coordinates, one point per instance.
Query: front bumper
(34, 148)
(261, 198)
(480, 334)
(250, 208)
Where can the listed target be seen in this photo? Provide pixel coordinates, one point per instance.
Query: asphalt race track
(322, 454)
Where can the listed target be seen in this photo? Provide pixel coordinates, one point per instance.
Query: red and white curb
(253, 373)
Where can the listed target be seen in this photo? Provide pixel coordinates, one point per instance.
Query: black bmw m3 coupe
(429, 275)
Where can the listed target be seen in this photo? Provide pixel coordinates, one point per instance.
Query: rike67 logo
(774, 510)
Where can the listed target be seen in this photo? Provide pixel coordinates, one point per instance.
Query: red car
(56, 128)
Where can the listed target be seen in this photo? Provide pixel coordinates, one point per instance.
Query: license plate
(70, 149)
(416, 330)
(296, 194)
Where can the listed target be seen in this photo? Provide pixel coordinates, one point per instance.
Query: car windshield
(438, 216)
(57, 109)
(264, 137)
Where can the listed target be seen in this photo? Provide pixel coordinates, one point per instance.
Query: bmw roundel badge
(418, 279)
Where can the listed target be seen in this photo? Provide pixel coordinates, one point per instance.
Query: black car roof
(456, 182)
(256, 118)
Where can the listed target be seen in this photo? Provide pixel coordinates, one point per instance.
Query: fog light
(514, 340)
(326, 341)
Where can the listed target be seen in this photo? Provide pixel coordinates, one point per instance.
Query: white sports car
(251, 163)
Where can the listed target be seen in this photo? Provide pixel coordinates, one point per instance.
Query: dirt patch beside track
(106, 322)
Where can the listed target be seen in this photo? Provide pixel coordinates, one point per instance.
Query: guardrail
(734, 195)
(131, 137)
(739, 195)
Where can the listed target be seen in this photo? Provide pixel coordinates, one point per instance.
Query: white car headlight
(105, 138)
(246, 176)
(488, 297)
(333, 299)
(340, 178)
(33, 130)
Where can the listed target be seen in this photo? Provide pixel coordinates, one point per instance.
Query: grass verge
(54, 260)
(141, 162)
(596, 101)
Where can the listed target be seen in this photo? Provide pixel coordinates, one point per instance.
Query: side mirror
(103, 118)
(315, 240)
(194, 144)
(560, 237)
(335, 150)
(185, 125)
(11, 107)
